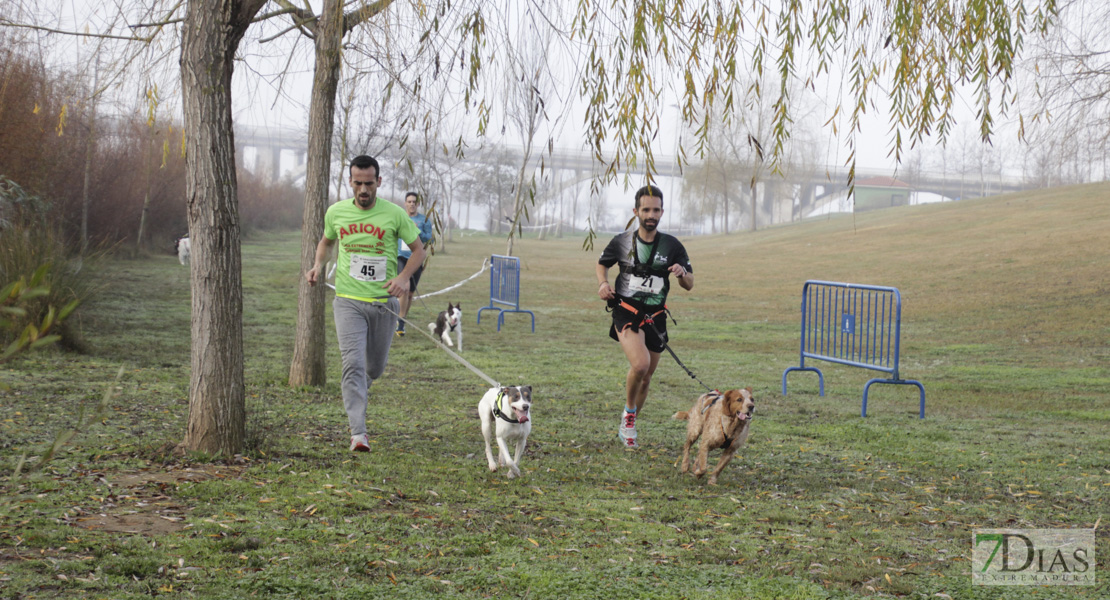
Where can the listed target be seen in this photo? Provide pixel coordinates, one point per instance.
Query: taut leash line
(648, 319)
(449, 352)
(676, 359)
(416, 327)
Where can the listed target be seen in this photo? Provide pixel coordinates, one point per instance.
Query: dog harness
(716, 396)
(497, 412)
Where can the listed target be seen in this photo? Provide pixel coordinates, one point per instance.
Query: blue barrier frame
(855, 325)
(504, 289)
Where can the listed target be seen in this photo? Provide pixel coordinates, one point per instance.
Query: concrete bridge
(270, 143)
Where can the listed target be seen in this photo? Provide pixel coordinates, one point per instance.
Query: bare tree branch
(363, 14)
(103, 36)
(302, 18)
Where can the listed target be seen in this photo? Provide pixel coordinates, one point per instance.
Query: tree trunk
(146, 199)
(308, 366)
(518, 200)
(142, 220)
(725, 184)
(90, 150)
(217, 414)
(449, 234)
(755, 207)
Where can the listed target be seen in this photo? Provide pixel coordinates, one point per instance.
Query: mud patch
(140, 502)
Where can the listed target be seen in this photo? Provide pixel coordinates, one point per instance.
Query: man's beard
(649, 225)
(365, 201)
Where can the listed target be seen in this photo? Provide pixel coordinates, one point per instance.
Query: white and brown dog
(506, 414)
(721, 421)
(446, 322)
(182, 247)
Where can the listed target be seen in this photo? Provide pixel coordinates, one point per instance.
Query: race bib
(646, 285)
(367, 268)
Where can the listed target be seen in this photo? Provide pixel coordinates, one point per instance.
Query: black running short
(415, 279)
(624, 319)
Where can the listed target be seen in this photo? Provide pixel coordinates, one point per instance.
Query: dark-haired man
(412, 207)
(367, 284)
(647, 258)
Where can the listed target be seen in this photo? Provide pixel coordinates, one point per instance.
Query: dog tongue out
(521, 416)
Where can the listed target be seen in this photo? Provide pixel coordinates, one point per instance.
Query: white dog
(506, 413)
(446, 322)
(183, 246)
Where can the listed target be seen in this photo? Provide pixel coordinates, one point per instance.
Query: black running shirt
(644, 277)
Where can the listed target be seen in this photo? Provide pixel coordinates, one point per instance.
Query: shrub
(32, 251)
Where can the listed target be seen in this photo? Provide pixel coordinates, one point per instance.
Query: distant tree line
(48, 130)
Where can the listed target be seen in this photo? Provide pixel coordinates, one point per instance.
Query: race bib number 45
(367, 268)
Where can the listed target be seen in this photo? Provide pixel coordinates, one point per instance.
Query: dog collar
(497, 409)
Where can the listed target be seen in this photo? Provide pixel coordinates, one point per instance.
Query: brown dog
(721, 421)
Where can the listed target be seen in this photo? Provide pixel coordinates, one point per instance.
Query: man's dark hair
(414, 195)
(649, 190)
(365, 162)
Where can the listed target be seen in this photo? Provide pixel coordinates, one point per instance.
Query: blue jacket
(425, 227)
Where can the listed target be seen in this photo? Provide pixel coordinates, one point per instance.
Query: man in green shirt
(367, 284)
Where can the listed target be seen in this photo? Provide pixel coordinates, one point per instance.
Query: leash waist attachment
(649, 320)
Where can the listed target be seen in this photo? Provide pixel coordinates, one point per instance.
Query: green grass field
(1006, 320)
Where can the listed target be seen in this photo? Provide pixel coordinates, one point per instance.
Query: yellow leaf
(534, 542)
(62, 120)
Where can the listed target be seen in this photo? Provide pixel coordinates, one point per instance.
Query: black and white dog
(446, 322)
(506, 414)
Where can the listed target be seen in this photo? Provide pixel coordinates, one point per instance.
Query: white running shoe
(360, 443)
(627, 430)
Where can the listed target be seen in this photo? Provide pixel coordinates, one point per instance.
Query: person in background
(412, 206)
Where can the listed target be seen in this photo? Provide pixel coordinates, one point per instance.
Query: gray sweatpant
(365, 332)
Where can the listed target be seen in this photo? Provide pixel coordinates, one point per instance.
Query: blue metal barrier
(854, 325)
(504, 289)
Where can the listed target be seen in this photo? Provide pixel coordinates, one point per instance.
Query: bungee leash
(649, 319)
(444, 347)
(416, 327)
